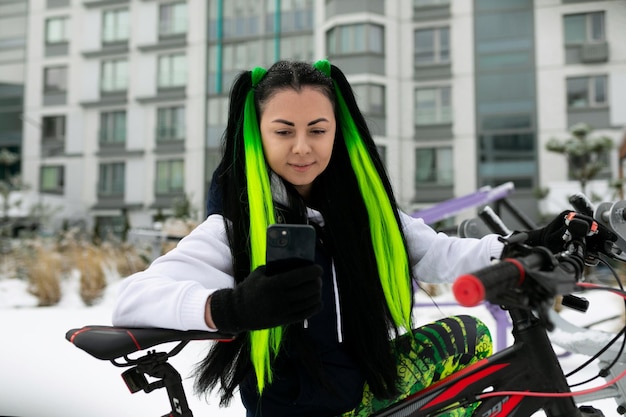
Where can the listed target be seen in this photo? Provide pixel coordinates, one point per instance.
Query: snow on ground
(43, 375)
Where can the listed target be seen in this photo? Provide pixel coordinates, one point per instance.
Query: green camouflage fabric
(435, 351)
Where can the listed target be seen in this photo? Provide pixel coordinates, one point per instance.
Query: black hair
(367, 320)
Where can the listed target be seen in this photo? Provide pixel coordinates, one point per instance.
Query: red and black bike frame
(530, 364)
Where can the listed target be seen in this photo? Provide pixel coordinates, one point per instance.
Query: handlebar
(528, 277)
(525, 281)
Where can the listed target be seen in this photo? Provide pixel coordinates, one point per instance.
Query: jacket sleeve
(439, 258)
(172, 292)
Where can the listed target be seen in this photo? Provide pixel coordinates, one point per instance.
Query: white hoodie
(172, 292)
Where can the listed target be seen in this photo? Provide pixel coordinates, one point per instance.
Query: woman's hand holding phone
(263, 301)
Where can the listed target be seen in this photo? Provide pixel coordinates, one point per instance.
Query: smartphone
(289, 246)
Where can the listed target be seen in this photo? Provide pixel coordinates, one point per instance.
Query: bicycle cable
(604, 372)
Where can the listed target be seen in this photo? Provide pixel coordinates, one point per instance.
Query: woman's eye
(318, 131)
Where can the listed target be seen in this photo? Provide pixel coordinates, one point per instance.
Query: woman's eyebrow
(288, 123)
(321, 119)
(283, 121)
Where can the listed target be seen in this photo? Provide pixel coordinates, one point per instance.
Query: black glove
(262, 301)
(551, 236)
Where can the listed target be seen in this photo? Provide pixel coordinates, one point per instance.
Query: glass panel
(51, 178)
(170, 176)
(111, 179)
(599, 90)
(53, 127)
(424, 165)
(118, 179)
(345, 40)
(114, 76)
(376, 41)
(171, 123)
(597, 26)
(173, 19)
(115, 26)
(56, 30)
(444, 166)
(434, 166)
(162, 177)
(121, 79)
(422, 3)
(179, 70)
(377, 99)
(178, 176)
(575, 28)
(424, 46)
(445, 105)
(172, 71)
(331, 41)
(444, 45)
(506, 122)
(55, 79)
(113, 127)
(577, 92)
(120, 126)
(425, 106)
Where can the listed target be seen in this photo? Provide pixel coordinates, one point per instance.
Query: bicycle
(517, 381)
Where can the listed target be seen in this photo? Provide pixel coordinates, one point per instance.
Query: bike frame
(529, 364)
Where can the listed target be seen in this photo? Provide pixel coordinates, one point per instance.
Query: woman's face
(298, 131)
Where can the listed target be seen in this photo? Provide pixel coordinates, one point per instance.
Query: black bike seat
(108, 342)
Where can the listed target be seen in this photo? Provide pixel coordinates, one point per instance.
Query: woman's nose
(301, 145)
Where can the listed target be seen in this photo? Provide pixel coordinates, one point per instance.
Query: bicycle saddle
(108, 342)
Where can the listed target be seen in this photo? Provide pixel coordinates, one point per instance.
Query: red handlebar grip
(468, 290)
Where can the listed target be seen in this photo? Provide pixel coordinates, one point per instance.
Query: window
(169, 176)
(433, 166)
(172, 71)
(370, 98)
(53, 128)
(507, 156)
(296, 15)
(114, 76)
(56, 30)
(111, 179)
(113, 127)
(583, 28)
(432, 46)
(585, 92)
(55, 79)
(217, 116)
(173, 19)
(426, 3)
(240, 18)
(170, 124)
(297, 48)
(433, 106)
(115, 26)
(354, 39)
(52, 179)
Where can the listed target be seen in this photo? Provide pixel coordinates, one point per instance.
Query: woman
(330, 339)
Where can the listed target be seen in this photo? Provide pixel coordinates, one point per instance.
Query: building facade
(125, 100)
(13, 34)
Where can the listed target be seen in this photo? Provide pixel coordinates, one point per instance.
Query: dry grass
(46, 263)
(43, 269)
(124, 258)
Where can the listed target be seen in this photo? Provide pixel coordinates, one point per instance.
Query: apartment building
(127, 98)
(13, 34)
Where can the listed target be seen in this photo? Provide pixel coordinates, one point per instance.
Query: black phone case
(289, 246)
